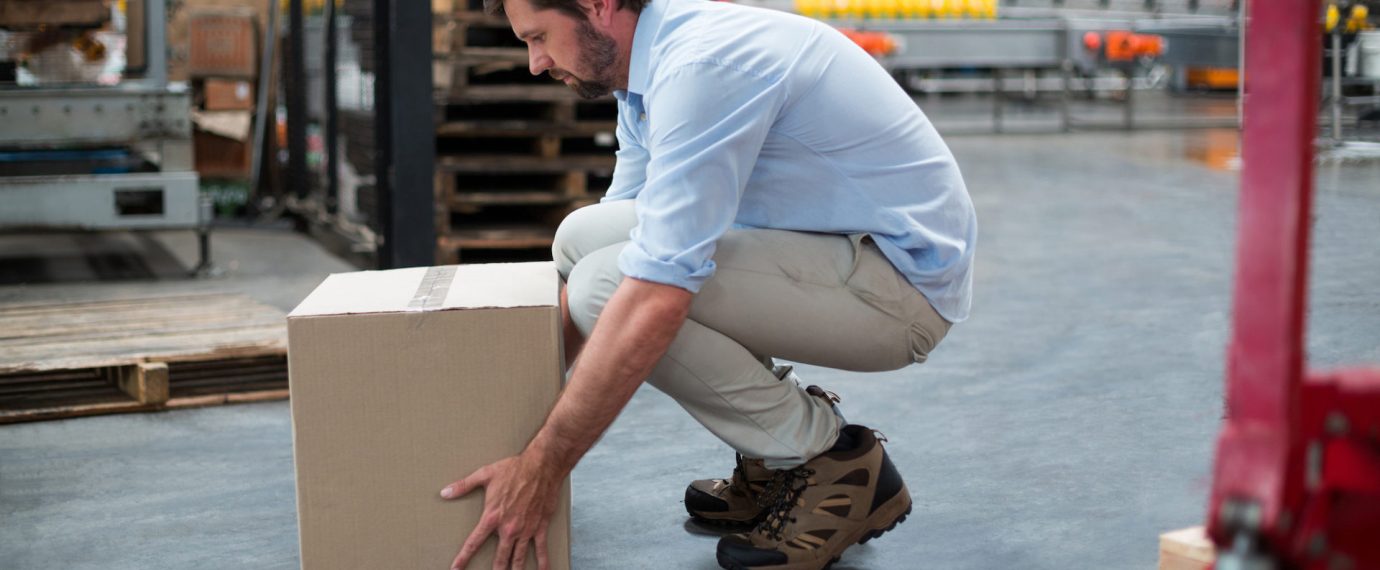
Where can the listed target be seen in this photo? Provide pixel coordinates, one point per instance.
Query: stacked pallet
(60, 360)
(515, 152)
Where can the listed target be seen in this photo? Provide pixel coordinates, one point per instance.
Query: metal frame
(144, 114)
(404, 133)
(1050, 44)
(1297, 477)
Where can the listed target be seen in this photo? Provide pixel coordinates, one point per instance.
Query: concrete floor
(1066, 425)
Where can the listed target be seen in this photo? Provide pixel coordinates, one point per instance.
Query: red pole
(1253, 487)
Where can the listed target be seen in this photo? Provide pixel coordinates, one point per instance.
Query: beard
(598, 53)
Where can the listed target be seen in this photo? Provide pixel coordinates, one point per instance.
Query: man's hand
(520, 495)
(636, 327)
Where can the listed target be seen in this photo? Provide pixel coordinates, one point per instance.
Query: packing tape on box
(431, 292)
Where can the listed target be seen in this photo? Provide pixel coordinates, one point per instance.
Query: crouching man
(776, 195)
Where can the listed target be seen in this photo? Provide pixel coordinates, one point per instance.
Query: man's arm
(633, 333)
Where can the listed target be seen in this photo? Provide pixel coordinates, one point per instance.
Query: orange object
(1092, 41)
(875, 43)
(1225, 78)
(1123, 45)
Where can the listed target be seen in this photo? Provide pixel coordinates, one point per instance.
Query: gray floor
(1065, 426)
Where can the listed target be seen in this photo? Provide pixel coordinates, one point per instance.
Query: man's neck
(625, 28)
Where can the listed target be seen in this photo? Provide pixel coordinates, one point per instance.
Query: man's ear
(600, 10)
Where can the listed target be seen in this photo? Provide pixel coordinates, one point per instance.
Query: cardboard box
(222, 44)
(404, 381)
(179, 18)
(227, 95)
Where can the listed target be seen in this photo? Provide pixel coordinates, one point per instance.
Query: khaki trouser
(823, 299)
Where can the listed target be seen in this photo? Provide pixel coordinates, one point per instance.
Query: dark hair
(568, 7)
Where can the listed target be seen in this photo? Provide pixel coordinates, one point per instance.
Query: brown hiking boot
(846, 496)
(734, 502)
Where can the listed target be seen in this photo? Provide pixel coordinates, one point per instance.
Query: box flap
(481, 286)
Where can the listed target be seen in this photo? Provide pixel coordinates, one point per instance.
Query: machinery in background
(1351, 63)
(1063, 47)
(1297, 477)
(78, 154)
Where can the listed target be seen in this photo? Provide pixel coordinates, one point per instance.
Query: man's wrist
(550, 454)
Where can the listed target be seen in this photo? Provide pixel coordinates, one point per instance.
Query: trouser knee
(589, 229)
(589, 285)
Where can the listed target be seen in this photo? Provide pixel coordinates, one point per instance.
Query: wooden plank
(1186, 549)
(535, 198)
(476, 18)
(14, 309)
(232, 398)
(524, 128)
(103, 408)
(203, 346)
(523, 164)
(39, 337)
(62, 412)
(506, 93)
(146, 382)
(471, 55)
(509, 237)
(58, 330)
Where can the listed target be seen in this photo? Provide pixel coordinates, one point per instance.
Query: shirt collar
(639, 64)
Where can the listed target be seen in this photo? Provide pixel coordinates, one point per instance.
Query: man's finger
(542, 563)
(520, 553)
(463, 487)
(476, 539)
(505, 551)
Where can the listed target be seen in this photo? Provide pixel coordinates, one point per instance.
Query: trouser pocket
(874, 279)
(878, 283)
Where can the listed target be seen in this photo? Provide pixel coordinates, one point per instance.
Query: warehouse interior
(177, 176)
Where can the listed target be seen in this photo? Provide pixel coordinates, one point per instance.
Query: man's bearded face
(598, 53)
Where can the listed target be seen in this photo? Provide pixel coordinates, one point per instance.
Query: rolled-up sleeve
(707, 125)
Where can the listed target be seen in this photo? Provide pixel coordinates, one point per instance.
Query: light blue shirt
(750, 118)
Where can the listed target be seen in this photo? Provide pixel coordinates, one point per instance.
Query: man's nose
(537, 60)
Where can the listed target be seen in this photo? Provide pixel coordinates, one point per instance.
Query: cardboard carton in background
(222, 43)
(227, 95)
(404, 381)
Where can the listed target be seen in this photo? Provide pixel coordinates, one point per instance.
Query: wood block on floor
(1186, 549)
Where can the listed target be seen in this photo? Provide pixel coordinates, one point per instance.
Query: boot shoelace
(779, 499)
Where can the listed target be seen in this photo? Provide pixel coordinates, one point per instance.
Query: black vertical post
(404, 132)
(332, 127)
(296, 86)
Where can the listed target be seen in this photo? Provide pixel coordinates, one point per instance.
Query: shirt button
(642, 117)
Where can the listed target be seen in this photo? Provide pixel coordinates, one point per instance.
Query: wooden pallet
(1186, 549)
(61, 360)
(515, 153)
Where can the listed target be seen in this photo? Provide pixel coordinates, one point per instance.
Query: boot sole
(890, 514)
(731, 525)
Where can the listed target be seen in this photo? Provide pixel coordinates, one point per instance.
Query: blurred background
(248, 112)
(176, 175)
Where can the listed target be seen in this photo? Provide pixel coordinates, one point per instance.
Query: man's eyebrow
(524, 35)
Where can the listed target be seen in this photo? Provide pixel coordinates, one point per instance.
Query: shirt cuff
(637, 263)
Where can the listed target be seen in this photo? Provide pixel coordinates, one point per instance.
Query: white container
(1369, 43)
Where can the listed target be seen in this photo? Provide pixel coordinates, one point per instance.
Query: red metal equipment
(1297, 477)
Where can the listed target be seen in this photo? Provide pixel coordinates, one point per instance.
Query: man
(776, 195)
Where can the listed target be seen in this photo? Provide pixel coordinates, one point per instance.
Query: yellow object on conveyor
(1357, 22)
